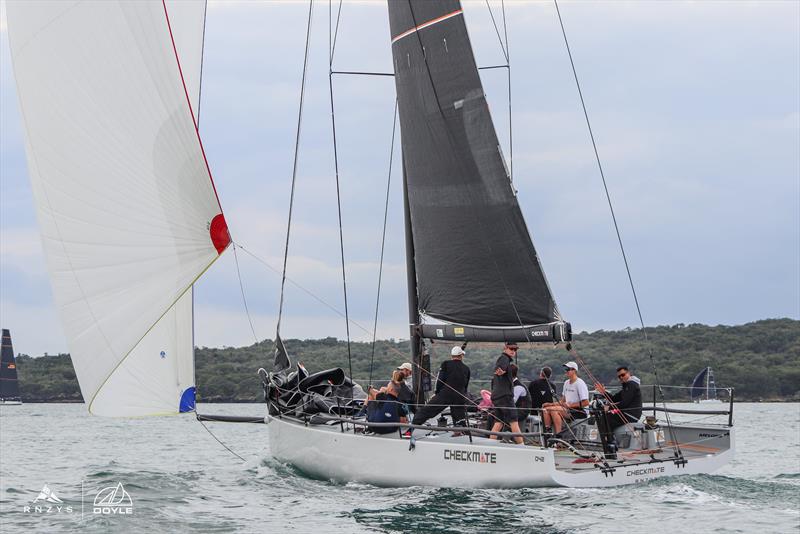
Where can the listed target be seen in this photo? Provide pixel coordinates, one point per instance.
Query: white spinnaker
(125, 201)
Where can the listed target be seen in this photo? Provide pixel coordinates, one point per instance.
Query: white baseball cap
(457, 351)
(571, 365)
(405, 367)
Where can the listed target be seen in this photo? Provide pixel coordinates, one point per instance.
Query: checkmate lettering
(470, 456)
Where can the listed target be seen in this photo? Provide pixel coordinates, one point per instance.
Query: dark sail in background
(9, 388)
(699, 389)
(475, 261)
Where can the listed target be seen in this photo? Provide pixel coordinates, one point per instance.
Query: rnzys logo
(113, 500)
(47, 502)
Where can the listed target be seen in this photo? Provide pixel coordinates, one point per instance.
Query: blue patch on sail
(187, 400)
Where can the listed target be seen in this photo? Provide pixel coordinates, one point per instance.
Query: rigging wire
(616, 226)
(331, 45)
(219, 440)
(294, 165)
(244, 299)
(383, 240)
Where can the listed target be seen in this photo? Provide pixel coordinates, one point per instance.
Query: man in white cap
(574, 399)
(451, 390)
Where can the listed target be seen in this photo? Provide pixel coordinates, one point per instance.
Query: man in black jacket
(451, 389)
(505, 412)
(627, 401)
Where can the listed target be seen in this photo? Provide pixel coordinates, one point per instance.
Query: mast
(413, 300)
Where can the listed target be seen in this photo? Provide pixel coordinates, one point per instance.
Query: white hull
(4, 402)
(328, 453)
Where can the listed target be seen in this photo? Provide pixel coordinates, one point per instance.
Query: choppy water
(181, 480)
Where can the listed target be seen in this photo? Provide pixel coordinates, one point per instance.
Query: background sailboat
(9, 385)
(128, 213)
(704, 388)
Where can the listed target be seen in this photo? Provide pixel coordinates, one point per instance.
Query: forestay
(127, 209)
(475, 261)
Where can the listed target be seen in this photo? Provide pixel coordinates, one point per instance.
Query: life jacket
(384, 409)
(523, 403)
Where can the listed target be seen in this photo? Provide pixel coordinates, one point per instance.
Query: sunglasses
(622, 375)
(513, 349)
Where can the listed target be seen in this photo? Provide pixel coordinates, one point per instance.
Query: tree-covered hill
(761, 360)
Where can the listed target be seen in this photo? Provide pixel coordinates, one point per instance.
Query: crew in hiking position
(451, 390)
(503, 393)
(574, 399)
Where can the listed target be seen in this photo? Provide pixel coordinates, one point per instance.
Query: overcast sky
(694, 105)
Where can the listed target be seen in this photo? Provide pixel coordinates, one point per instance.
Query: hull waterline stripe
(426, 24)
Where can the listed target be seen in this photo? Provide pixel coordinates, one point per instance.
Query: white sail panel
(158, 374)
(126, 206)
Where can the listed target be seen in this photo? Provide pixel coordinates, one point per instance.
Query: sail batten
(127, 208)
(475, 261)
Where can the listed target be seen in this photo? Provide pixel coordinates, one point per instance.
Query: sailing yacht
(109, 93)
(704, 389)
(9, 385)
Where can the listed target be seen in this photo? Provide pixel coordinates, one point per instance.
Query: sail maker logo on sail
(470, 456)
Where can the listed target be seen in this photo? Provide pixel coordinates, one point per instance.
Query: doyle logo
(113, 500)
(470, 456)
(47, 502)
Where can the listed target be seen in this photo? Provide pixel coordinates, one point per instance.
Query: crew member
(543, 392)
(503, 393)
(384, 406)
(627, 401)
(405, 393)
(574, 399)
(451, 390)
(522, 397)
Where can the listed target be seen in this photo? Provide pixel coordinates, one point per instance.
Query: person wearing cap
(574, 399)
(404, 392)
(451, 390)
(505, 412)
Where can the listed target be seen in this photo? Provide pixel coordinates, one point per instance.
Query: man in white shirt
(574, 399)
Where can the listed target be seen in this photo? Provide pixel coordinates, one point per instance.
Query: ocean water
(180, 479)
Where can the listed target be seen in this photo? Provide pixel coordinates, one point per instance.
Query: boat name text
(470, 456)
(645, 471)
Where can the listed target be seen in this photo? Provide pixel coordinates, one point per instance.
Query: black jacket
(501, 384)
(455, 374)
(629, 399)
(541, 391)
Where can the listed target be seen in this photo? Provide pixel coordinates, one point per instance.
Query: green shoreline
(760, 360)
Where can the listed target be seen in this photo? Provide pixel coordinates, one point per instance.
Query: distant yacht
(9, 387)
(704, 389)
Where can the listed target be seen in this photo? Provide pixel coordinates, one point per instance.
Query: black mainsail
(703, 386)
(9, 387)
(477, 273)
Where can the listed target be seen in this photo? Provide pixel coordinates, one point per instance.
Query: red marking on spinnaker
(219, 233)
